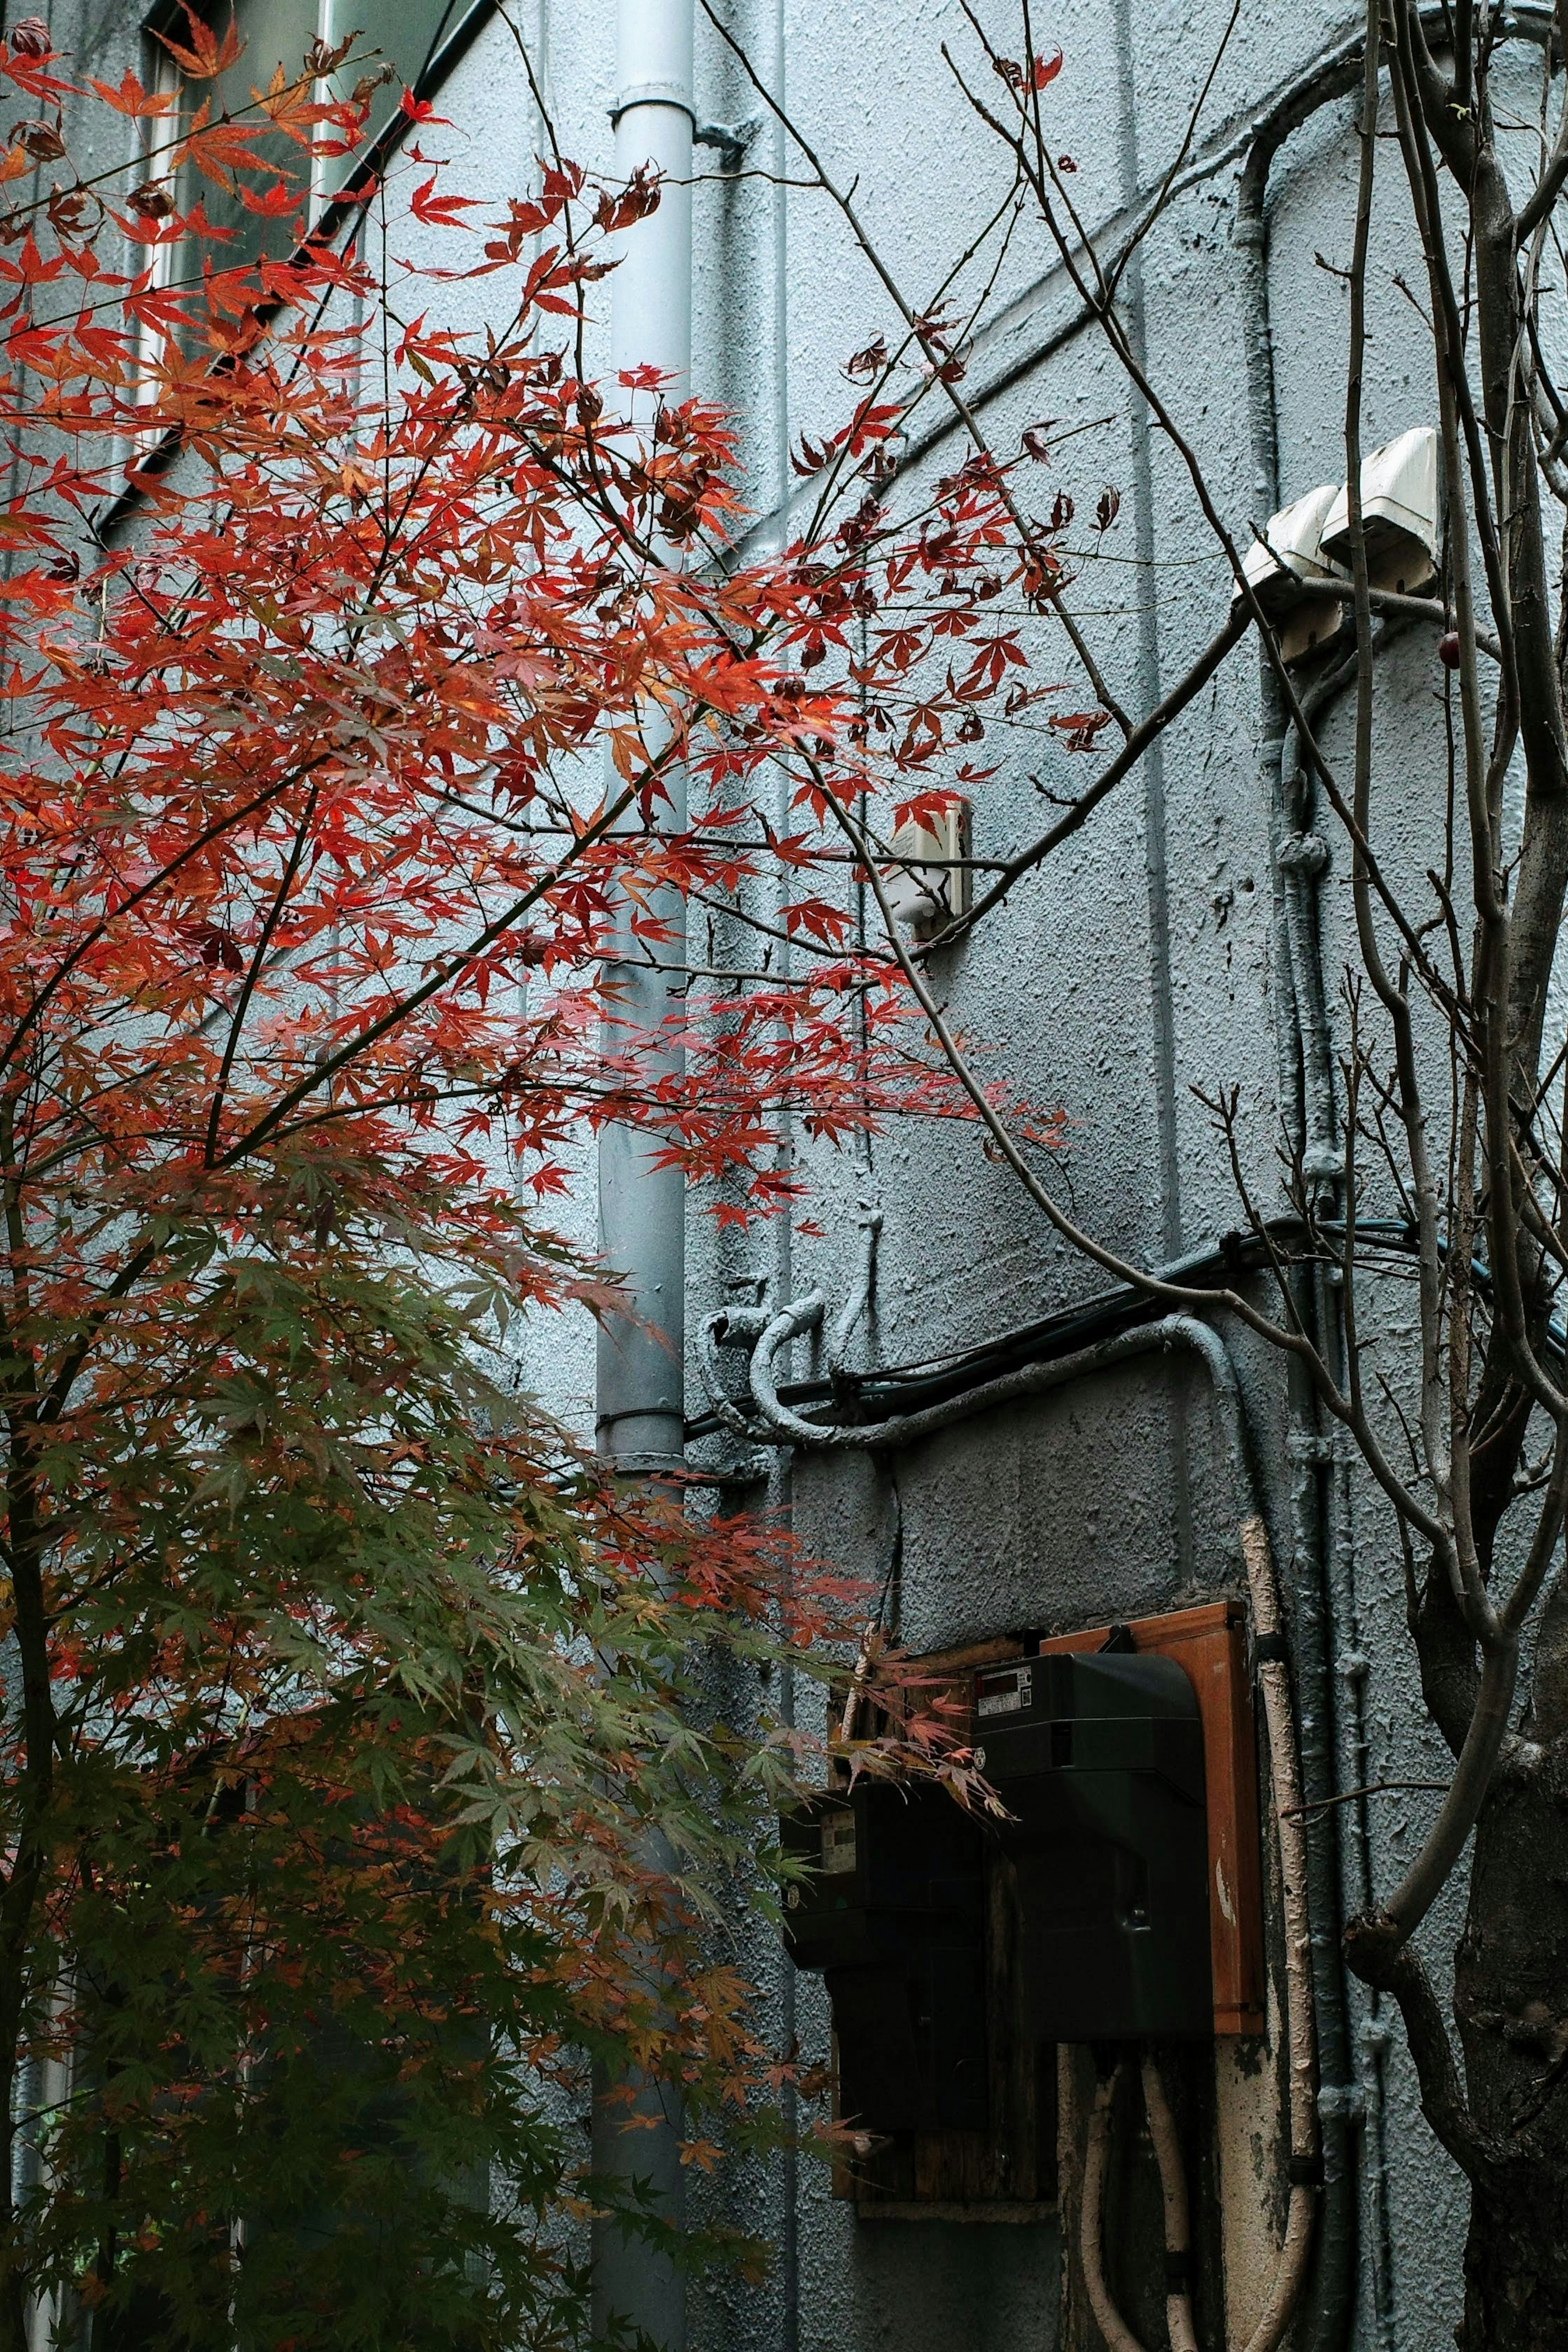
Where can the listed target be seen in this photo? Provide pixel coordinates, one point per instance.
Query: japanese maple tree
(346, 658)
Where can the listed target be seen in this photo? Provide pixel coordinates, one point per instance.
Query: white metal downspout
(640, 1404)
(640, 1417)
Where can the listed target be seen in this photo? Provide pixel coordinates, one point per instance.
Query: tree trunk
(1511, 2007)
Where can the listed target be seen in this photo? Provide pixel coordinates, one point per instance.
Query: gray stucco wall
(1111, 1500)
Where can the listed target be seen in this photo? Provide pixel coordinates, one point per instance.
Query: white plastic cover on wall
(1286, 568)
(926, 896)
(1308, 543)
(1400, 509)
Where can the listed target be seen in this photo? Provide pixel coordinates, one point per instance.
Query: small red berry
(1448, 649)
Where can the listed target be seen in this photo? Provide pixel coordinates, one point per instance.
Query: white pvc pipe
(650, 293)
(640, 1405)
(1118, 2336)
(640, 1402)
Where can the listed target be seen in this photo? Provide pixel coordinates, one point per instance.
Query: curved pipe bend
(767, 1336)
(1179, 2326)
(1173, 2192)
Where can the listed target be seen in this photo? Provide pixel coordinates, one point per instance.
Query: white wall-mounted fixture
(1285, 570)
(1401, 513)
(927, 886)
(1308, 542)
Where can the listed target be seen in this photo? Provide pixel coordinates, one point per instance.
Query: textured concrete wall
(1154, 921)
(1111, 1500)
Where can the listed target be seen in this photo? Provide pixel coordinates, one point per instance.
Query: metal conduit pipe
(640, 1402)
(1179, 2327)
(1067, 1332)
(1308, 1107)
(1118, 2336)
(858, 1300)
(1178, 2224)
(1303, 856)
(1351, 2101)
(1171, 1331)
(1316, 1634)
(781, 1426)
(1095, 1318)
(1338, 2096)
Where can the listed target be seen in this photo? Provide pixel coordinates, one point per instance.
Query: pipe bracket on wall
(652, 93)
(731, 139)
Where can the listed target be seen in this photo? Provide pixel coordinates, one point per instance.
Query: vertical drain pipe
(1298, 977)
(783, 1495)
(1156, 856)
(642, 1209)
(640, 1415)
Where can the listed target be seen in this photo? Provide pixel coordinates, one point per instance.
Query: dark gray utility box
(1100, 1758)
(892, 1912)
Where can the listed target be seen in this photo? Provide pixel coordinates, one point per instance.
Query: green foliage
(372, 1699)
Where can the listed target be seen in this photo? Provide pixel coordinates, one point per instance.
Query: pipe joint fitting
(730, 140)
(1303, 852)
(800, 1315)
(1325, 1163)
(740, 1326)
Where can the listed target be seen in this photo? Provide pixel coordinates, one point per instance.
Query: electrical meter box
(891, 1909)
(1100, 1760)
